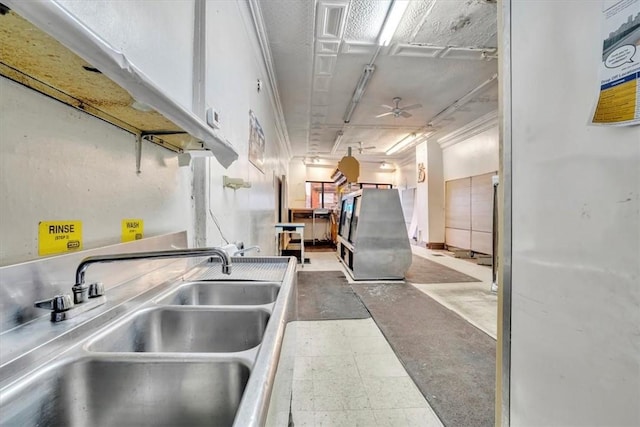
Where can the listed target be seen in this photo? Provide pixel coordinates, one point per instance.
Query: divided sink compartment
(181, 359)
(167, 329)
(222, 293)
(102, 391)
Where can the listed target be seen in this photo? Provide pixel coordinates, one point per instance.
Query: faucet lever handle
(96, 290)
(57, 304)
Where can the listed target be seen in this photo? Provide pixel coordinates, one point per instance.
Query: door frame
(503, 345)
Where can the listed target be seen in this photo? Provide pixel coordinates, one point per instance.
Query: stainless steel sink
(159, 353)
(185, 330)
(102, 391)
(227, 293)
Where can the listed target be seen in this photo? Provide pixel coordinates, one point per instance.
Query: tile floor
(346, 374)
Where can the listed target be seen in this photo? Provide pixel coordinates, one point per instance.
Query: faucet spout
(80, 289)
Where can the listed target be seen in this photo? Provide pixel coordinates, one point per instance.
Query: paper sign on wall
(56, 237)
(132, 229)
(619, 100)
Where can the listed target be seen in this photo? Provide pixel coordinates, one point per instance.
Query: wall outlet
(213, 119)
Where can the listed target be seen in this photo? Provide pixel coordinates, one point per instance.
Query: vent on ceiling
(331, 19)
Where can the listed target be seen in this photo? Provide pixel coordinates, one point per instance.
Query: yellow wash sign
(132, 229)
(56, 237)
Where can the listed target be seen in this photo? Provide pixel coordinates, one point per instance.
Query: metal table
(291, 228)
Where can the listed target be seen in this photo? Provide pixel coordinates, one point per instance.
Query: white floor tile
(377, 365)
(412, 417)
(361, 328)
(339, 394)
(393, 393)
(370, 345)
(345, 419)
(328, 367)
(302, 396)
(422, 417)
(303, 368)
(303, 418)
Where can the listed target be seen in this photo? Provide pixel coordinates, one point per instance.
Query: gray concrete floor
(345, 373)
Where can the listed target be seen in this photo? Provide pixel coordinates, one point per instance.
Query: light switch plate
(213, 119)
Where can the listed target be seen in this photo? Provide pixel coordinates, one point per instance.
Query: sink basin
(185, 329)
(216, 293)
(103, 392)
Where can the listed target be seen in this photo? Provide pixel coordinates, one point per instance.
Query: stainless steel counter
(170, 347)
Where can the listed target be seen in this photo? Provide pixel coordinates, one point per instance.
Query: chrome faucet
(88, 297)
(243, 250)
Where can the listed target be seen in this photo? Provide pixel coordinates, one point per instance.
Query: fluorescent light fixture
(359, 91)
(408, 142)
(442, 115)
(337, 141)
(391, 22)
(400, 145)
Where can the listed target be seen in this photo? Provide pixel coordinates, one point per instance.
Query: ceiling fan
(361, 148)
(398, 111)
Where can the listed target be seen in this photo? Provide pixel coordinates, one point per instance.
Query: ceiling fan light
(396, 10)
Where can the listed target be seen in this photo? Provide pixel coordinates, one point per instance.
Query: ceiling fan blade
(371, 147)
(412, 107)
(385, 114)
(405, 114)
(388, 106)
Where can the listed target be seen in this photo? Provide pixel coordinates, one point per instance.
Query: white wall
(57, 163)
(297, 177)
(435, 182)
(477, 155)
(72, 166)
(430, 193)
(406, 172)
(575, 337)
(233, 68)
(422, 196)
(370, 173)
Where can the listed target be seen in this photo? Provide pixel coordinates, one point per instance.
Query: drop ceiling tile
(464, 23)
(365, 20)
(288, 21)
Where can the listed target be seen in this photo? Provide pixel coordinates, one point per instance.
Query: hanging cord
(213, 217)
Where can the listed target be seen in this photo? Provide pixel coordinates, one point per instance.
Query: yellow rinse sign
(132, 229)
(56, 237)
